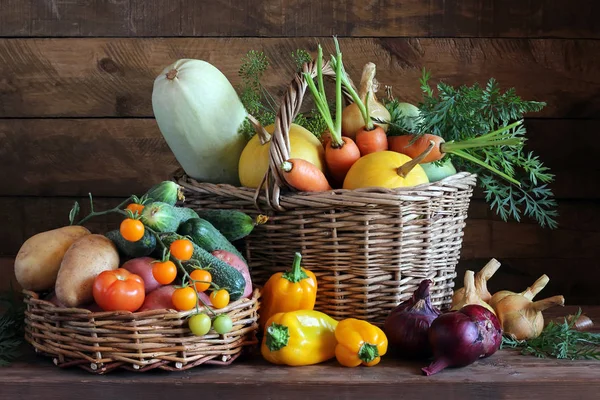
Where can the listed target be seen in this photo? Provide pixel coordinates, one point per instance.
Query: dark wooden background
(76, 81)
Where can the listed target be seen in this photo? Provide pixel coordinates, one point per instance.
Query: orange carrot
(304, 176)
(401, 144)
(339, 159)
(371, 141)
(500, 137)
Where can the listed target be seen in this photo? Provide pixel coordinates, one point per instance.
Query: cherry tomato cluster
(200, 324)
(165, 272)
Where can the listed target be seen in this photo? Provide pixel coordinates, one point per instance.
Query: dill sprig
(468, 112)
(254, 96)
(260, 103)
(559, 341)
(11, 328)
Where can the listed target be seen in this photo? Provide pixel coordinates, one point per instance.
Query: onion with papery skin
(470, 295)
(407, 325)
(352, 119)
(459, 338)
(481, 278)
(528, 293)
(521, 318)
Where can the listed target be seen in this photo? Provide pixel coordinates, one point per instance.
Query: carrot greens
(470, 113)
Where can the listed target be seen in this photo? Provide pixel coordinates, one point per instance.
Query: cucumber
(205, 235)
(234, 225)
(163, 217)
(223, 274)
(165, 192)
(185, 214)
(143, 247)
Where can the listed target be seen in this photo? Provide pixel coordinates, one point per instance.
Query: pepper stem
(296, 274)
(368, 352)
(278, 336)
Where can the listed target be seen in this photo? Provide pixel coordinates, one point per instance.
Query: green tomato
(199, 324)
(223, 324)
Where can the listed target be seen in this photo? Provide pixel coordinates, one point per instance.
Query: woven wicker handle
(280, 141)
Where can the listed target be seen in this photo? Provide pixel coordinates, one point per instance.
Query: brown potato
(85, 259)
(39, 258)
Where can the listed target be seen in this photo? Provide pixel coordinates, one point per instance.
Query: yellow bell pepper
(359, 342)
(293, 290)
(302, 337)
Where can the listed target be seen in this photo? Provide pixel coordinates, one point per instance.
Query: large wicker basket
(369, 248)
(103, 341)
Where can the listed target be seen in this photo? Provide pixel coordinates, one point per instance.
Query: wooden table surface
(506, 374)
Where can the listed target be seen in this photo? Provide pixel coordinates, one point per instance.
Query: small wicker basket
(369, 248)
(103, 341)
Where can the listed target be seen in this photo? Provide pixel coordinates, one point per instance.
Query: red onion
(459, 338)
(489, 324)
(407, 325)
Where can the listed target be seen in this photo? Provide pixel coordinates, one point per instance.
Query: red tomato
(119, 290)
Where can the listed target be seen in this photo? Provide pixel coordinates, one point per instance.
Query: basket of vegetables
(165, 290)
(376, 205)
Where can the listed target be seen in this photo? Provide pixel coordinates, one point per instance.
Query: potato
(85, 259)
(159, 299)
(39, 258)
(142, 266)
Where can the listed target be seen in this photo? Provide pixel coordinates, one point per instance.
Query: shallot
(470, 294)
(528, 293)
(521, 318)
(481, 278)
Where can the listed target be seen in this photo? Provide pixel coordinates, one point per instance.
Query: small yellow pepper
(359, 342)
(302, 337)
(295, 289)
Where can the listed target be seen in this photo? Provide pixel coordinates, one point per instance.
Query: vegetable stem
(477, 161)
(93, 213)
(368, 121)
(368, 352)
(185, 273)
(405, 168)
(296, 274)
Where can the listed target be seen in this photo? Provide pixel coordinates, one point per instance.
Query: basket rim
(86, 314)
(460, 177)
(460, 180)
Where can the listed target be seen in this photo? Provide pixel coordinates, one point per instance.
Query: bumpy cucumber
(223, 274)
(166, 192)
(143, 247)
(234, 225)
(205, 235)
(163, 217)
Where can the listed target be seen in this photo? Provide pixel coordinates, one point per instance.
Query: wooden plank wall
(76, 80)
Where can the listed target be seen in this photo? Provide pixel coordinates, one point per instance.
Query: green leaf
(468, 112)
(73, 213)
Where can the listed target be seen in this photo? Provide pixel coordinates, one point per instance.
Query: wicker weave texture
(103, 341)
(369, 248)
